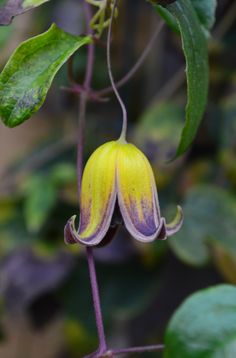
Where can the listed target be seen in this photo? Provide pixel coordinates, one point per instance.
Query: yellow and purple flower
(118, 172)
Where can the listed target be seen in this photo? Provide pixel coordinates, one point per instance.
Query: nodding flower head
(118, 172)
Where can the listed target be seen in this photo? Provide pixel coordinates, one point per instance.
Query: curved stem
(124, 112)
(136, 66)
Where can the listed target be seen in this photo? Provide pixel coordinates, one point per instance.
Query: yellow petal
(98, 194)
(137, 194)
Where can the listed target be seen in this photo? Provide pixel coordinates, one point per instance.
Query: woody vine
(117, 177)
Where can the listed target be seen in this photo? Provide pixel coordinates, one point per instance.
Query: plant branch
(137, 65)
(152, 348)
(83, 97)
(98, 95)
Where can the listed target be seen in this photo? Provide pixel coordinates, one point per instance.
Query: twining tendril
(102, 17)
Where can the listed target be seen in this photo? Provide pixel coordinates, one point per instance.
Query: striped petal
(137, 194)
(98, 196)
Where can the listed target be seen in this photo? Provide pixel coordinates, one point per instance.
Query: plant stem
(83, 97)
(80, 146)
(96, 301)
(152, 348)
(90, 61)
(102, 349)
(124, 124)
(136, 66)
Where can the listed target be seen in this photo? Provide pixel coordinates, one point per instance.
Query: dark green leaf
(26, 78)
(181, 15)
(195, 50)
(205, 10)
(210, 217)
(204, 326)
(168, 17)
(11, 8)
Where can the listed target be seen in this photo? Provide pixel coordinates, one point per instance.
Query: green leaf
(11, 8)
(210, 218)
(205, 10)
(168, 17)
(27, 77)
(195, 50)
(204, 326)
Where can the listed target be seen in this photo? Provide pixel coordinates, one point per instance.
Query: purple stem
(136, 66)
(80, 146)
(153, 348)
(96, 301)
(102, 350)
(90, 61)
(83, 97)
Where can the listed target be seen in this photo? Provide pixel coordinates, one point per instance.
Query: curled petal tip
(174, 226)
(70, 233)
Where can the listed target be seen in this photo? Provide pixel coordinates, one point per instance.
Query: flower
(119, 172)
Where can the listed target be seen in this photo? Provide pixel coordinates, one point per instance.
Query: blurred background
(45, 299)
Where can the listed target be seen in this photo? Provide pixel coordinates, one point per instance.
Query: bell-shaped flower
(118, 172)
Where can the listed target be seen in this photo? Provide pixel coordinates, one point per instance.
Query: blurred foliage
(39, 192)
(210, 216)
